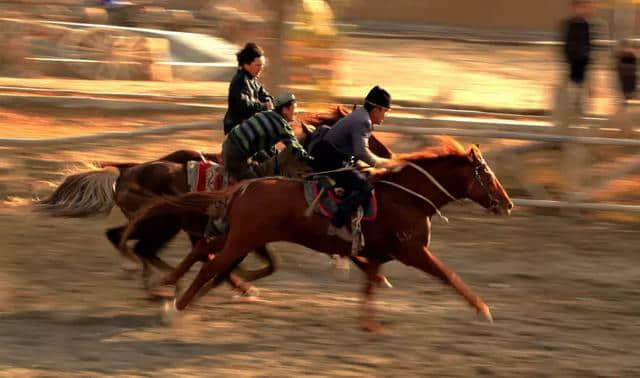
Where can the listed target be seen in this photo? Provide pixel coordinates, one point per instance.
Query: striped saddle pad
(207, 176)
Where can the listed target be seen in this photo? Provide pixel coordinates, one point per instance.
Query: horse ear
(474, 153)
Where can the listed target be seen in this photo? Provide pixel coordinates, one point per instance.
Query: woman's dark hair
(249, 53)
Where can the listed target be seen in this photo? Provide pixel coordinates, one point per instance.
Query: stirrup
(215, 227)
(356, 230)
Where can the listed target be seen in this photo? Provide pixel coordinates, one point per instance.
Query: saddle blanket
(207, 176)
(328, 203)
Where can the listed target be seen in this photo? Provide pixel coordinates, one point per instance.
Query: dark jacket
(246, 96)
(627, 72)
(577, 39)
(262, 132)
(350, 136)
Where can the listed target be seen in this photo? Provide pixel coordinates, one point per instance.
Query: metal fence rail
(479, 130)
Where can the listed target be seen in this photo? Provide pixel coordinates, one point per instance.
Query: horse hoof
(130, 266)
(246, 299)
(169, 312)
(486, 313)
(342, 263)
(384, 283)
(252, 292)
(164, 291)
(373, 327)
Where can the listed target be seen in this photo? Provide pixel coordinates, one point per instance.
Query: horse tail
(83, 194)
(169, 210)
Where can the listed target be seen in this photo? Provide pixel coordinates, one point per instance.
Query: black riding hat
(379, 97)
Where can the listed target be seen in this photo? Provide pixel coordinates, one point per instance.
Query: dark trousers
(577, 70)
(627, 75)
(358, 189)
(236, 162)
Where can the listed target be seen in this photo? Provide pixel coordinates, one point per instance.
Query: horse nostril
(510, 205)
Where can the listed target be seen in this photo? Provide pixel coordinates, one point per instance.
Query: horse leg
(234, 280)
(241, 278)
(374, 277)
(203, 251)
(428, 263)
(271, 267)
(147, 248)
(363, 264)
(241, 281)
(131, 262)
(218, 265)
(199, 252)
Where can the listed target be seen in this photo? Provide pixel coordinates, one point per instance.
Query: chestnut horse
(407, 201)
(130, 186)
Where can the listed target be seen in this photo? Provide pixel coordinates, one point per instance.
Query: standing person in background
(577, 35)
(247, 96)
(626, 67)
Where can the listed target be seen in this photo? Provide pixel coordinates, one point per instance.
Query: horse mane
(329, 117)
(448, 147)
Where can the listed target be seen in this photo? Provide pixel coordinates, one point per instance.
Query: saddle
(324, 198)
(331, 197)
(207, 176)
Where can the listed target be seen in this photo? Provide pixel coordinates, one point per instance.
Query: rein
(418, 195)
(331, 171)
(433, 180)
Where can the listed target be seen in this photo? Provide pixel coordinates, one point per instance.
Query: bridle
(480, 179)
(477, 177)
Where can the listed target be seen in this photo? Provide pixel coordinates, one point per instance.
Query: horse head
(285, 163)
(448, 172)
(484, 187)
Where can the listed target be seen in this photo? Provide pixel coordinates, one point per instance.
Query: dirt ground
(563, 292)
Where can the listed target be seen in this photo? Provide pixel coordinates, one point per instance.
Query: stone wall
(519, 15)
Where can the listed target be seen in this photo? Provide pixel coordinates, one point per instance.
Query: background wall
(521, 15)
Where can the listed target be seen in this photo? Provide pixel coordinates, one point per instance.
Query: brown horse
(91, 193)
(129, 186)
(407, 201)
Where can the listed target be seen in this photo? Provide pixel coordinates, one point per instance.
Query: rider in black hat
(346, 142)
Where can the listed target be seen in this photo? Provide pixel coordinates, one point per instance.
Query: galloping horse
(91, 193)
(273, 209)
(130, 186)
